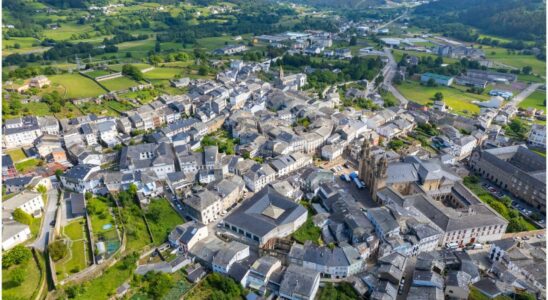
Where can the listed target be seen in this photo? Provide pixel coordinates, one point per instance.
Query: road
(392, 21)
(49, 215)
(392, 66)
(408, 274)
(523, 94)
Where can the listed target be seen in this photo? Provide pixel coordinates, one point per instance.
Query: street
(408, 275)
(392, 64)
(523, 94)
(49, 216)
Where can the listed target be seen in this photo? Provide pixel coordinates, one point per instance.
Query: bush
(18, 276)
(16, 256)
(22, 217)
(58, 250)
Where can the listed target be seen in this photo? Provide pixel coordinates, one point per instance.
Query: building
(339, 262)
(471, 81)
(78, 178)
(29, 202)
(224, 259)
(433, 192)
(186, 235)
(438, 79)
(39, 81)
(13, 234)
(8, 168)
(516, 169)
(384, 222)
(203, 206)
(491, 76)
(20, 132)
(299, 283)
(159, 158)
(537, 136)
(260, 272)
(230, 49)
(266, 216)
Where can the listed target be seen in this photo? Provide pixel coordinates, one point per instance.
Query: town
(364, 162)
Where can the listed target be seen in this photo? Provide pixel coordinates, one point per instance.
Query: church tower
(379, 178)
(281, 74)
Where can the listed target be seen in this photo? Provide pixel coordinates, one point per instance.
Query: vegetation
(156, 284)
(220, 139)
(218, 287)
(503, 206)
(28, 165)
(22, 217)
(536, 100)
(517, 129)
(58, 250)
(132, 72)
(308, 231)
(16, 256)
(343, 291)
(133, 219)
(162, 219)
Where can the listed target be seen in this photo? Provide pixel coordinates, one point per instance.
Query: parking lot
(525, 209)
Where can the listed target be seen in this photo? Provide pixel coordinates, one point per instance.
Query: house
(28, 201)
(78, 178)
(39, 81)
(260, 272)
(108, 133)
(299, 283)
(186, 235)
(258, 176)
(265, 216)
(20, 132)
(8, 168)
(384, 222)
(339, 262)
(14, 233)
(122, 290)
(471, 81)
(225, 258)
(537, 136)
(77, 204)
(203, 206)
(438, 79)
(230, 49)
(456, 285)
(488, 288)
(180, 83)
(158, 158)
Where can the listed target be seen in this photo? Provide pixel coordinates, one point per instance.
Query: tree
(527, 70)
(42, 190)
(58, 174)
(22, 217)
(18, 276)
(202, 71)
(158, 284)
(132, 72)
(438, 96)
(57, 250)
(16, 256)
(353, 41)
(395, 144)
(431, 82)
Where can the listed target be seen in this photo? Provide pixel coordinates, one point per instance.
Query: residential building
(20, 132)
(224, 259)
(203, 206)
(537, 136)
(186, 235)
(299, 283)
(28, 201)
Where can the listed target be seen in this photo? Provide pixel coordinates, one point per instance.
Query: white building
(29, 202)
(537, 136)
(225, 258)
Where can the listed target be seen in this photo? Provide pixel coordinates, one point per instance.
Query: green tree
(158, 284)
(132, 72)
(22, 217)
(202, 71)
(527, 70)
(18, 276)
(16, 256)
(438, 96)
(395, 144)
(57, 250)
(353, 41)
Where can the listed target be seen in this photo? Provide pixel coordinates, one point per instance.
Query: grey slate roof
(249, 215)
(299, 281)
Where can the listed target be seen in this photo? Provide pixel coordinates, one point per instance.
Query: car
(539, 236)
(52, 223)
(525, 238)
(514, 203)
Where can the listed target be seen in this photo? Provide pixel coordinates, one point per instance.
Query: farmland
(457, 99)
(77, 86)
(536, 100)
(120, 83)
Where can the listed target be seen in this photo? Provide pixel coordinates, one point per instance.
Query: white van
(451, 245)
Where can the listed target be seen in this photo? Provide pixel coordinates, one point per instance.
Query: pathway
(49, 216)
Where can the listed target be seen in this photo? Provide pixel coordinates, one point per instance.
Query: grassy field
(398, 54)
(162, 219)
(103, 286)
(27, 165)
(308, 231)
(212, 43)
(162, 73)
(76, 260)
(101, 216)
(77, 86)
(501, 55)
(97, 73)
(29, 285)
(67, 30)
(536, 99)
(118, 67)
(26, 44)
(136, 231)
(455, 97)
(120, 83)
(16, 154)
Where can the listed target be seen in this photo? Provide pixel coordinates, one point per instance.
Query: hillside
(519, 19)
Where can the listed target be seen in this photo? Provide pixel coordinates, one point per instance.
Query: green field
(456, 98)
(66, 31)
(26, 44)
(100, 217)
(75, 261)
(162, 219)
(16, 154)
(29, 285)
(120, 83)
(118, 67)
(519, 61)
(536, 100)
(97, 73)
(212, 43)
(162, 73)
(105, 285)
(27, 165)
(77, 86)
(398, 54)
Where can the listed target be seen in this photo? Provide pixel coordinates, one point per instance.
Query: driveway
(48, 215)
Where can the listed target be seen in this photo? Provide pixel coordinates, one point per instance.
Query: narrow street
(49, 216)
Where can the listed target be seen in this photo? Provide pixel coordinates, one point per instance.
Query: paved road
(49, 215)
(523, 94)
(392, 65)
(408, 274)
